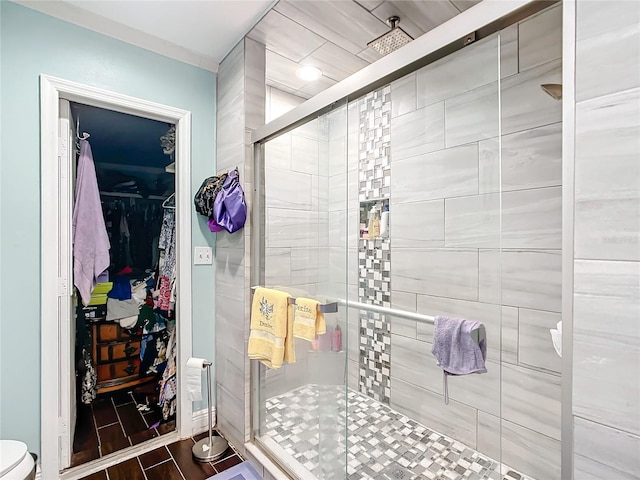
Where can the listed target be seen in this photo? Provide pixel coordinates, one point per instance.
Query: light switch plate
(203, 256)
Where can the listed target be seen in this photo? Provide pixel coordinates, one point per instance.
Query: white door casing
(56, 264)
(66, 397)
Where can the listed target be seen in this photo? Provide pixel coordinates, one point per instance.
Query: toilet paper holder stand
(212, 447)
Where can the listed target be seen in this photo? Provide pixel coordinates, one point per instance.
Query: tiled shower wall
(446, 233)
(606, 334)
(297, 226)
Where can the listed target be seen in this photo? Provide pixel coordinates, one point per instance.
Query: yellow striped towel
(308, 321)
(270, 312)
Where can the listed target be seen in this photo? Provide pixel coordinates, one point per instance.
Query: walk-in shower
(464, 155)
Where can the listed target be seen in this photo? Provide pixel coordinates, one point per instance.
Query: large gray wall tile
(447, 173)
(408, 302)
(417, 17)
(472, 116)
(287, 189)
(335, 62)
(277, 266)
(403, 95)
(532, 218)
(418, 132)
(607, 177)
(510, 332)
(455, 419)
(473, 221)
(304, 154)
(481, 391)
(531, 399)
(509, 51)
(535, 345)
(524, 103)
(281, 34)
(254, 86)
(605, 451)
(285, 228)
(277, 152)
(606, 384)
(489, 435)
(419, 224)
(530, 279)
(230, 263)
(541, 38)
(607, 48)
(332, 21)
(412, 362)
(450, 273)
(530, 452)
(530, 159)
(451, 76)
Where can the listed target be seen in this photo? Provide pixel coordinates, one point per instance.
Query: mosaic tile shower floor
(382, 443)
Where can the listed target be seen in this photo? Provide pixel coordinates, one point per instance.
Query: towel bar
(332, 307)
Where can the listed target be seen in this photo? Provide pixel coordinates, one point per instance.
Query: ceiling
(333, 35)
(127, 150)
(329, 34)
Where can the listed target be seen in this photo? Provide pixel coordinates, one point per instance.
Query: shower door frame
(482, 19)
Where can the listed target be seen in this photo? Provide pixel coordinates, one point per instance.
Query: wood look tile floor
(113, 422)
(173, 462)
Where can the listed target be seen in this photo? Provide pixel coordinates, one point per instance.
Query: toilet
(16, 463)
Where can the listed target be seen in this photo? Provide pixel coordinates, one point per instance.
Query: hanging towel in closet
(308, 321)
(90, 239)
(271, 336)
(458, 348)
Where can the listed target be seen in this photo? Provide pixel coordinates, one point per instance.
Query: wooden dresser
(116, 356)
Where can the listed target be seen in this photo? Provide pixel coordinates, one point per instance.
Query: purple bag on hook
(229, 207)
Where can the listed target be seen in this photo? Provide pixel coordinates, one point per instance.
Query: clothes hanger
(166, 203)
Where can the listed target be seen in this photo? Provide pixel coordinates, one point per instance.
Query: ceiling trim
(72, 14)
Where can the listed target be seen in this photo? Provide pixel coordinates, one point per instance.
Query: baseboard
(200, 420)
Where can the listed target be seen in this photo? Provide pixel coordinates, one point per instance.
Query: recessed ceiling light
(308, 73)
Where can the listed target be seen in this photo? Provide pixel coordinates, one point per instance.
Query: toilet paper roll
(196, 362)
(193, 374)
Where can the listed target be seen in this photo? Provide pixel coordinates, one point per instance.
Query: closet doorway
(120, 212)
(125, 336)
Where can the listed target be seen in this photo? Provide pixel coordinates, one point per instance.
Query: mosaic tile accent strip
(374, 260)
(374, 144)
(381, 443)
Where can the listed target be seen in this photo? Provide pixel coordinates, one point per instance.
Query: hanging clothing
(90, 239)
(168, 384)
(167, 267)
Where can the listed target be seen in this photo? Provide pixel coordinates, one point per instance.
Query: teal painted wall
(34, 44)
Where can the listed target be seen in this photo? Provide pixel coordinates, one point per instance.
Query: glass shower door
(302, 407)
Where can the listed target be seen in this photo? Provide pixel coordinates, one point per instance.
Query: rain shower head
(392, 40)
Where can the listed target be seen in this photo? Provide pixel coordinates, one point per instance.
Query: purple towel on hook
(455, 349)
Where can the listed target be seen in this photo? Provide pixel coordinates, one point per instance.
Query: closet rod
(131, 195)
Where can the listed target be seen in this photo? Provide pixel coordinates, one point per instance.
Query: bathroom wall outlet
(203, 256)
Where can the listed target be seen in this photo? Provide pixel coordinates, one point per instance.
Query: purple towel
(90, 239)
(456, 351)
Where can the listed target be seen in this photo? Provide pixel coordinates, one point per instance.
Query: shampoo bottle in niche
(374, 222)
(384, 222)
(336, 344)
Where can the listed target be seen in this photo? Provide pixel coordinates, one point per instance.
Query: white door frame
(54, 283)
